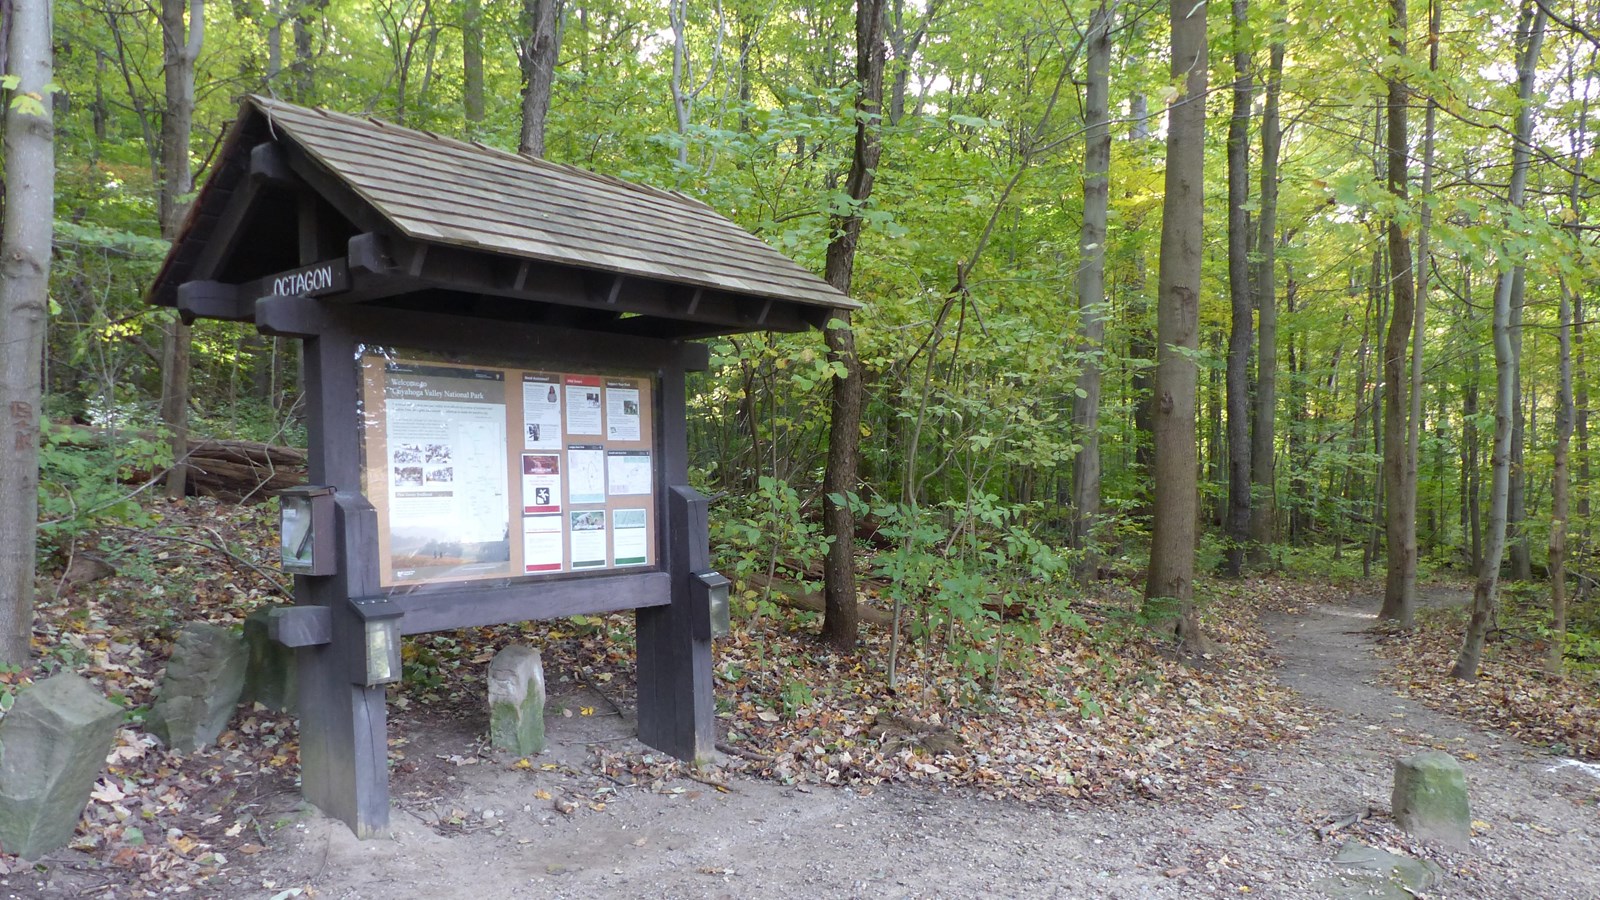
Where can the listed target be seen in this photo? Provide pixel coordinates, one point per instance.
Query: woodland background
(988, 177)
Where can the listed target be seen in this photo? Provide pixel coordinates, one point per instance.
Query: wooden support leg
(344, 746)
(344, 752)
(675, 703)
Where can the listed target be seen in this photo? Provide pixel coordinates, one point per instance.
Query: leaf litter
(1096, 714)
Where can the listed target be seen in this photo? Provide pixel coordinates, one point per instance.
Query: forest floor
(1260, 773)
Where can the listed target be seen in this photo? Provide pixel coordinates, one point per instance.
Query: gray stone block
(516, 701)
(269, 677)
(53, 744)
(201, 688)
(1430, 797)
(1379, 874)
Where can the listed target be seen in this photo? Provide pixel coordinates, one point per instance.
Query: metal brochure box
(305, 521)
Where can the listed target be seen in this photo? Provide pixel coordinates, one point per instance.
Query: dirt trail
(762, 839)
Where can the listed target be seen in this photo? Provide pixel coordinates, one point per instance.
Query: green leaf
(27, 104)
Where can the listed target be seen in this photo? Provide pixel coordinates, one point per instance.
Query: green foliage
(768, 529)
(83, 479)
(965, 268)
(796, 696)
(971, 575)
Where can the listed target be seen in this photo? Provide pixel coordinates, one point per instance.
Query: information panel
(488, 472)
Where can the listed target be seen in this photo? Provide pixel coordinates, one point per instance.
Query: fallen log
(226, 468)
(796, 597)
(249, 453)
(243, 469)
(225, 475)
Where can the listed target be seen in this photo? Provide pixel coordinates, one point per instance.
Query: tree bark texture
(541, 20)
(1237, 520)
(1530, 33)
(1518, 551)
(1141, 341)
(304, 80)
(25, 239)
(472, 62)
(181, 43)
(1419, 319)
(840, 623)
(1566, 413)
(1170, 579)
(906, 39)
(1263, 447)
(1091, 283)
(276, 17)
(1400, 527)
(1559, 489)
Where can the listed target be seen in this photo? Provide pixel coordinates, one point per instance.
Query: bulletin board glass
(481, 471)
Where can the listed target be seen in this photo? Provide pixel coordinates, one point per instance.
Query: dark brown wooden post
(343, 725)
(674, 656)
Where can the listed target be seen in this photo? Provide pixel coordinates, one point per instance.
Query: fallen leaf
(106, 792)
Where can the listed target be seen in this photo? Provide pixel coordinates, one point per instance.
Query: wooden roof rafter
(520, 237)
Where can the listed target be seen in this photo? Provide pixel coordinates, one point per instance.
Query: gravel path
(1539, 833)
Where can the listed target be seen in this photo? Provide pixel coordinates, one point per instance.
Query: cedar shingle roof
(444, 191)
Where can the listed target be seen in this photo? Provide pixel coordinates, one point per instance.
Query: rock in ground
(204, 680)
(1430, 797)
(52, 746)
(516, 701)
(269, 672)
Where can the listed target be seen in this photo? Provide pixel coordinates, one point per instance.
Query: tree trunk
(1521, 558)
(1237, 521)
(1170, 580)
(1216, 466)
(1263, 465)
(1530, 34)
(472, 64)
(181, 43)
(25, 240)
(304, 80)
(905, 43)
(1580, 428)
(1296, 445)
(1400, 527)
(541, 20)
(840, 623)
(275, 16)
(1419, 313)
(1092, 288)
(1141, 341)
(1558, 486)
(1358, 421)
(1376, 532)
(1566, 413)
(1471, 440)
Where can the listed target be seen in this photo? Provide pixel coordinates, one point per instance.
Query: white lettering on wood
(306, 282)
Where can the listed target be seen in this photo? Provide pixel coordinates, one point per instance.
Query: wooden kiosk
(495, 349)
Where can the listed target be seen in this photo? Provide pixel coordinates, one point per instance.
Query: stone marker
(269, 677)
(516, 701)
(1380, 874)
(1430, 797)
(201, 688)
(52, 746)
